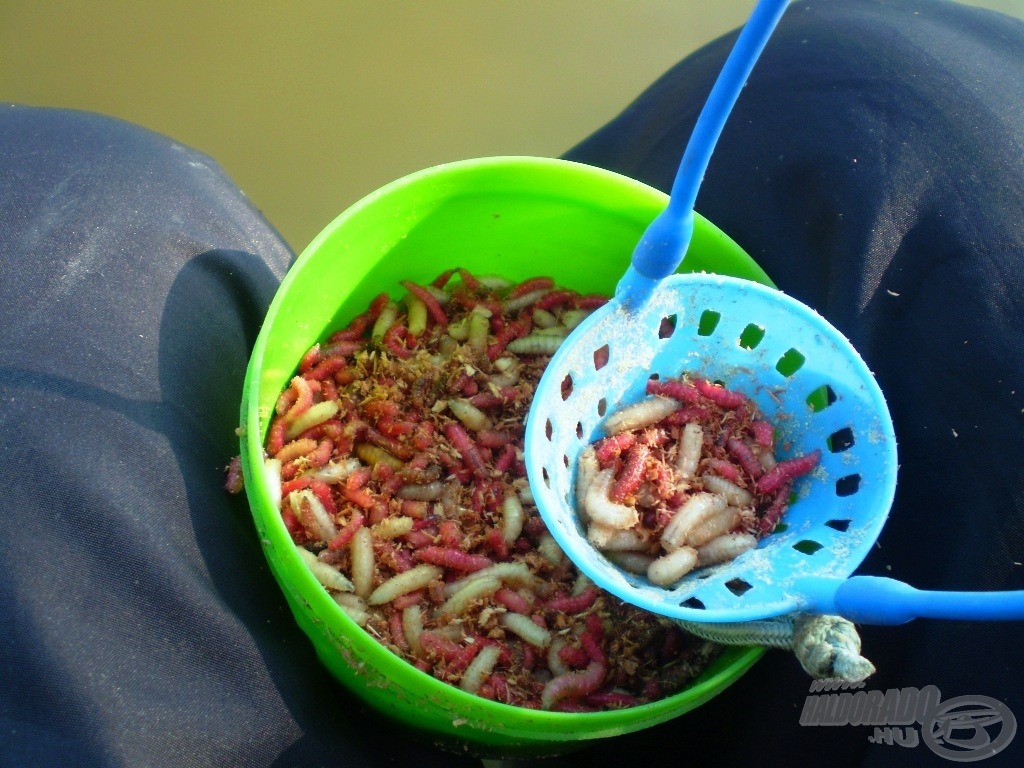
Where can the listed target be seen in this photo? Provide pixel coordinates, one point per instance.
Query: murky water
(311, 105)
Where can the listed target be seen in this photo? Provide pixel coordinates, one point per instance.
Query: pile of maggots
(684, 479)
(398, 445)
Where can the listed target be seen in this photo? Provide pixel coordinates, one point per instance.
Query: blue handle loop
(879, 600)
(662, 247)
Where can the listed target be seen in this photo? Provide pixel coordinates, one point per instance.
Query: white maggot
(671, 567)
(524, 627)
(470, 416)
(694, 511)
(415, 578)
(734, 494)
(691, 444)
(512, 518)
(363, 562)
(602, 510)
(639, 415)
(616, 540)
(587, 470)
(473, 590)
(536, 344)
(726, 547)
(317, 413)
(312, 514)
(479, 668)
(713, 526)
(328, 576)
(634, 562)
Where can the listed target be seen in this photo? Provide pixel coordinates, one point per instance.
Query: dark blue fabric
(874, 166)
(141, 626)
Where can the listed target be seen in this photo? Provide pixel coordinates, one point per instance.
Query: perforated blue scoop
(803, 375)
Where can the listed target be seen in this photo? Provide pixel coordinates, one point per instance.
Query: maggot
(734, 494)
(617, 540)
(726, 547)
(535, 344)
(648, 411)
(695, 511)
(601, 509)
(691, 444)
(671, 567)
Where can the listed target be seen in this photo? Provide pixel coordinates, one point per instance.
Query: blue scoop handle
(879, 600)
(663, 245)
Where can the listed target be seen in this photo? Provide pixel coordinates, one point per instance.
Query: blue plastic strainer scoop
(803, 375)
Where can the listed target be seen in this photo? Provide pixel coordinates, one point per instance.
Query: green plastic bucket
(514, 216)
